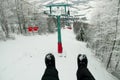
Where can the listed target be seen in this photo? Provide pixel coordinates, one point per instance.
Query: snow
(83, 10)
(32, 0)
(62, 1)
(23, 58)
(50, 1)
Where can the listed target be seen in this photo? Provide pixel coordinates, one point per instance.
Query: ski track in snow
(23, 58)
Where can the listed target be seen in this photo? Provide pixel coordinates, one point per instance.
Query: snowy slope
(23, 58)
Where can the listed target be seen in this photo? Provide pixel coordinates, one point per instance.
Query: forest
(104, 38)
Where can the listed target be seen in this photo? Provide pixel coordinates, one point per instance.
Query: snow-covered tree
(104, 33)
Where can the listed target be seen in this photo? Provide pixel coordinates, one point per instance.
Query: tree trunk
(117, 65)
(17, 3)
(3, 21)
(23, 18)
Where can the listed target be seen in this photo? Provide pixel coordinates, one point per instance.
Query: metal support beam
(60, 49)
(65, 9)
(50, 10)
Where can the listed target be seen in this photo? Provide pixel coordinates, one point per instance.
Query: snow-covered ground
(23, 58)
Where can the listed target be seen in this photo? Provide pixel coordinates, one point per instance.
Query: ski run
(23, 58)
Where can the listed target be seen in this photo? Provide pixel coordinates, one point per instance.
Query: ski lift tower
(58, 15)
